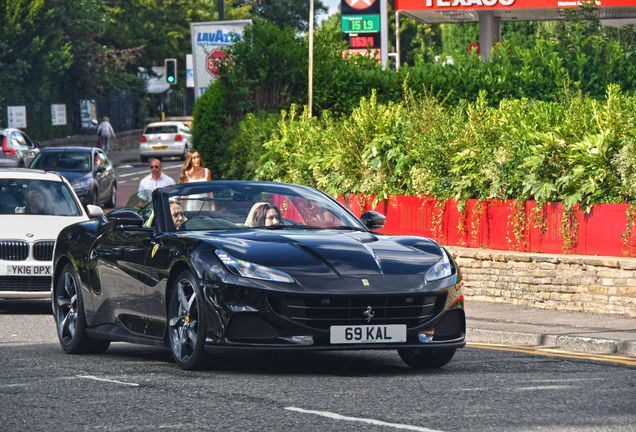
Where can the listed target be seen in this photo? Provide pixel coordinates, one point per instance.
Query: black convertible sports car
(227, 266)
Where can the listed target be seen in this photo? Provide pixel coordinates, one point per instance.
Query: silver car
(165, 139)
(18, 150)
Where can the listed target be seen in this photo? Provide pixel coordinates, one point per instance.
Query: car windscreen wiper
(348, 228)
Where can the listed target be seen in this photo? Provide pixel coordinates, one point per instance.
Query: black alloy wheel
(112, 202)
(69, 316)
(187, 327)
(426, 359)
(185, 153)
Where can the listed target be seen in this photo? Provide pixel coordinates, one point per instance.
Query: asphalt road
(138, 388)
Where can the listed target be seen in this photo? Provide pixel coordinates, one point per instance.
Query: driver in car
(177, 214)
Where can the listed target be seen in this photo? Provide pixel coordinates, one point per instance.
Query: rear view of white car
(34, 207)
(165, 139)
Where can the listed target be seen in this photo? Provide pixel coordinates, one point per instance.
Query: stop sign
(211, 64)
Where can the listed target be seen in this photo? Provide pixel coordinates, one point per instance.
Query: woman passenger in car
(263, 214)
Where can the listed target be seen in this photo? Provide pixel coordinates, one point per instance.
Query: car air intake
(14, 250)
(25, 283)
(323, 312)
(43, 251)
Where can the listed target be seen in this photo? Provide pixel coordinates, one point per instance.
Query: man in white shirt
(155, 179)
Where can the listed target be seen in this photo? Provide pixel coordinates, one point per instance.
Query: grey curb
(574, 343)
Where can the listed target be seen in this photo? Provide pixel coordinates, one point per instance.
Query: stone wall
(563, 282)
(128, 140)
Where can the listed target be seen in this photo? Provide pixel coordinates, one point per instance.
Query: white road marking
(335, 416)
(107, 380)
(125, 166)
(147, 171)
(554, 387)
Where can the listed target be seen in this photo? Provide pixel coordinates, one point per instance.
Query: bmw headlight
(441, 269)
(251, 270)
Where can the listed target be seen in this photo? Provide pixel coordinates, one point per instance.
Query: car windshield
(249, 205)
(43, 197)
(160, 130)
(63, 161)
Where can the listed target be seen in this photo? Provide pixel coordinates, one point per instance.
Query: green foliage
(246, 149)
(576, 150)
(210, 121)
(284, 13)
(266, 69)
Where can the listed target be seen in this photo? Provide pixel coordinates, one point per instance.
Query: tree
(284, 13)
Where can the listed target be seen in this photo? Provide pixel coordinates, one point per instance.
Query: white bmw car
(35, 206)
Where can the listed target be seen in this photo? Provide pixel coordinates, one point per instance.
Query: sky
(333, 8)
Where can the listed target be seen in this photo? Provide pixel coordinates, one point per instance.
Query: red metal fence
(491, 224)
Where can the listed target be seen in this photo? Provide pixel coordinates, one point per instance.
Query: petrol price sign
(360, 23)
(364, 40)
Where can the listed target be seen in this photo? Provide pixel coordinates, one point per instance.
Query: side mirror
(125, 220)
(94, 211)
(373, 220)
(101, 168)
(36, 144)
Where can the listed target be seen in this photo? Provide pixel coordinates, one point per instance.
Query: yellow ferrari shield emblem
(365, 282)
(154, 250)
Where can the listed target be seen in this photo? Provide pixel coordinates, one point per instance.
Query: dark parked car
(18, 150)
(89, 171)
(221, 266)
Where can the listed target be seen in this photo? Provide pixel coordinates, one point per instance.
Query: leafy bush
(574, 150)
(210, 123)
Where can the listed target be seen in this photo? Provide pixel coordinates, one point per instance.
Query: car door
(19, 145)
(30, 149)
(118, 259)
(104, 175)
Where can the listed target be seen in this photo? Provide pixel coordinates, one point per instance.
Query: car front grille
(323, 312)
(14, 250)
(25, 283)
(43, 251)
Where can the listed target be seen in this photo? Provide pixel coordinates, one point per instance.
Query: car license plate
(28, 270)
(160, 148)
(368, 334)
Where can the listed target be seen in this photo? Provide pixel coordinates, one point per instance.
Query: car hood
(329, 252)
(76, 176)
(41, 227)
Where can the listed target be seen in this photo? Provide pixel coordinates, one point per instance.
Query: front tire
(426, 359)
(143, 159)
(69, 316)
(187, 327)
(113, 196)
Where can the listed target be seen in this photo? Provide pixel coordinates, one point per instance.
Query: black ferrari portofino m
(233, 266)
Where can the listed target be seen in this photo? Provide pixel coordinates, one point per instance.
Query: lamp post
(311, 55)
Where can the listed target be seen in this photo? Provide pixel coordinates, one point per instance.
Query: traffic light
(171, 71)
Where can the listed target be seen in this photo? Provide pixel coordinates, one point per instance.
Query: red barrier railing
(492, 224)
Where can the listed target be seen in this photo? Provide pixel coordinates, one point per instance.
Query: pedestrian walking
(105, 132)
(156, 178)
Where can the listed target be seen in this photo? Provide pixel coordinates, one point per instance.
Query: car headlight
(251, 270)
(84, 184)
(440, 270)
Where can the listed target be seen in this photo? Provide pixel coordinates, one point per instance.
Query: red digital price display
(364, 40)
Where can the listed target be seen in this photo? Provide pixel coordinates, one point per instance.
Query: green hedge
(575, 150)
